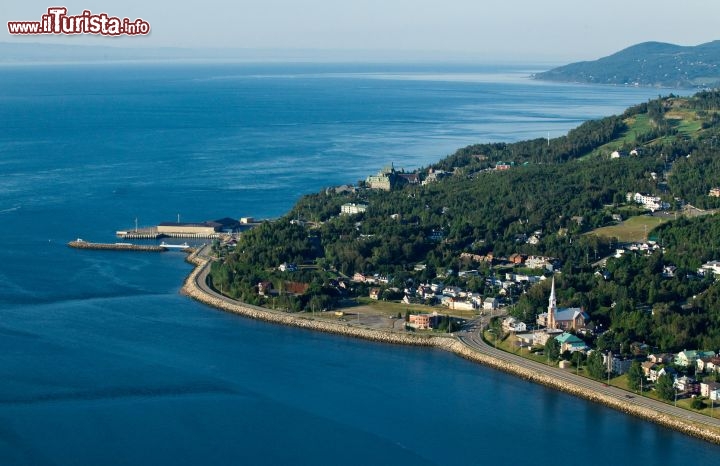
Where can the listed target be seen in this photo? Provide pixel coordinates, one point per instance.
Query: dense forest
(558, 192)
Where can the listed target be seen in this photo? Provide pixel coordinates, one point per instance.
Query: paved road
(474, 340)
(201, 281)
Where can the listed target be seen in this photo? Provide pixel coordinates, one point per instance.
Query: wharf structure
(209, 229)
(82, 244)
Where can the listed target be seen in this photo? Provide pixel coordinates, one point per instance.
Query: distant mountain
(647, 64)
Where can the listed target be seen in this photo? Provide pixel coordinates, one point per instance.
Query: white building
(712, 266)
(511, 324)
(649, 202)
(352, 209)
(490, 303)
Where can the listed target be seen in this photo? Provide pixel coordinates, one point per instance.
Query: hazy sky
(562, 30)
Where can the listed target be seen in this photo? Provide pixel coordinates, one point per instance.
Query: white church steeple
(552, 306)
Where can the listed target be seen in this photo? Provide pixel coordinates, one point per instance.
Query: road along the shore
(471, 347)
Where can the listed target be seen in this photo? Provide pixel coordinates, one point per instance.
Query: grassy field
(637, 125)
(685, 121)
(390, 308)
(631, 230)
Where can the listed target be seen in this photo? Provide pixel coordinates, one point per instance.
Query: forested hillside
(554, 192)
(647, 64)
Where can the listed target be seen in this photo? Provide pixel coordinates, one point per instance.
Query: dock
(82, 244)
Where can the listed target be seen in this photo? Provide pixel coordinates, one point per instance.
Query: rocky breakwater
(81, 244)
(193, 287)
(672, 422)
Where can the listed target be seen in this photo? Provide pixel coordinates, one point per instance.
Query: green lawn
(391, 308)
(631, 230)
(637, 125)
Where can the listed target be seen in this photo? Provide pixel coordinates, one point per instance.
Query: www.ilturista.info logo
(57, 21)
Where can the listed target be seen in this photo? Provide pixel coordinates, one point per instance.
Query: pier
(82, 244)
(154, 233)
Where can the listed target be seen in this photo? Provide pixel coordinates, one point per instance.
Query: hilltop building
(388, 178)
(652, 203)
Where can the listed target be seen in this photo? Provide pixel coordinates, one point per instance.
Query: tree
(635, 376)
(665, 387)
(595, 365)
(577, 358)
(698, 403)
(552, 349)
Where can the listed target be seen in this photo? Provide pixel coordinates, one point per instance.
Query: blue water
(103, 362)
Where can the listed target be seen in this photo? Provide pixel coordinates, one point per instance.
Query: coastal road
(474, 340)
(202, 282)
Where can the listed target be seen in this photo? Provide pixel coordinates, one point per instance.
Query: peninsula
(653, 64)
(594, 252)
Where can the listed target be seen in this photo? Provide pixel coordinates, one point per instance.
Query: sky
(508, 30)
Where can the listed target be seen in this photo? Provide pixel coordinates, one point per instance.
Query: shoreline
(191, 287)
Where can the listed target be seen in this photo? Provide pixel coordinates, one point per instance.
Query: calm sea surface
(103, 362)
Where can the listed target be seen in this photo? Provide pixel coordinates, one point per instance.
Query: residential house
(687, 384)
(511, 324)
(652, 203)
(285, 267)
(570, 342)
(712, 266)
(702, 364)
(713, 365)
(714, 192)
(419, 321)
(352, 208)
(660, 358)
(490, 303)
(409, 178)
(650, 370)
(710, 390)
(265, 288)
(689, 357)
(616, 364)
(434, 175)
(541, 337)
(437, 287)
(454, 291)
(539, 262)
(663, 371)
(375, 293)
(517, 259)
(686, 358)
(458, 304)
